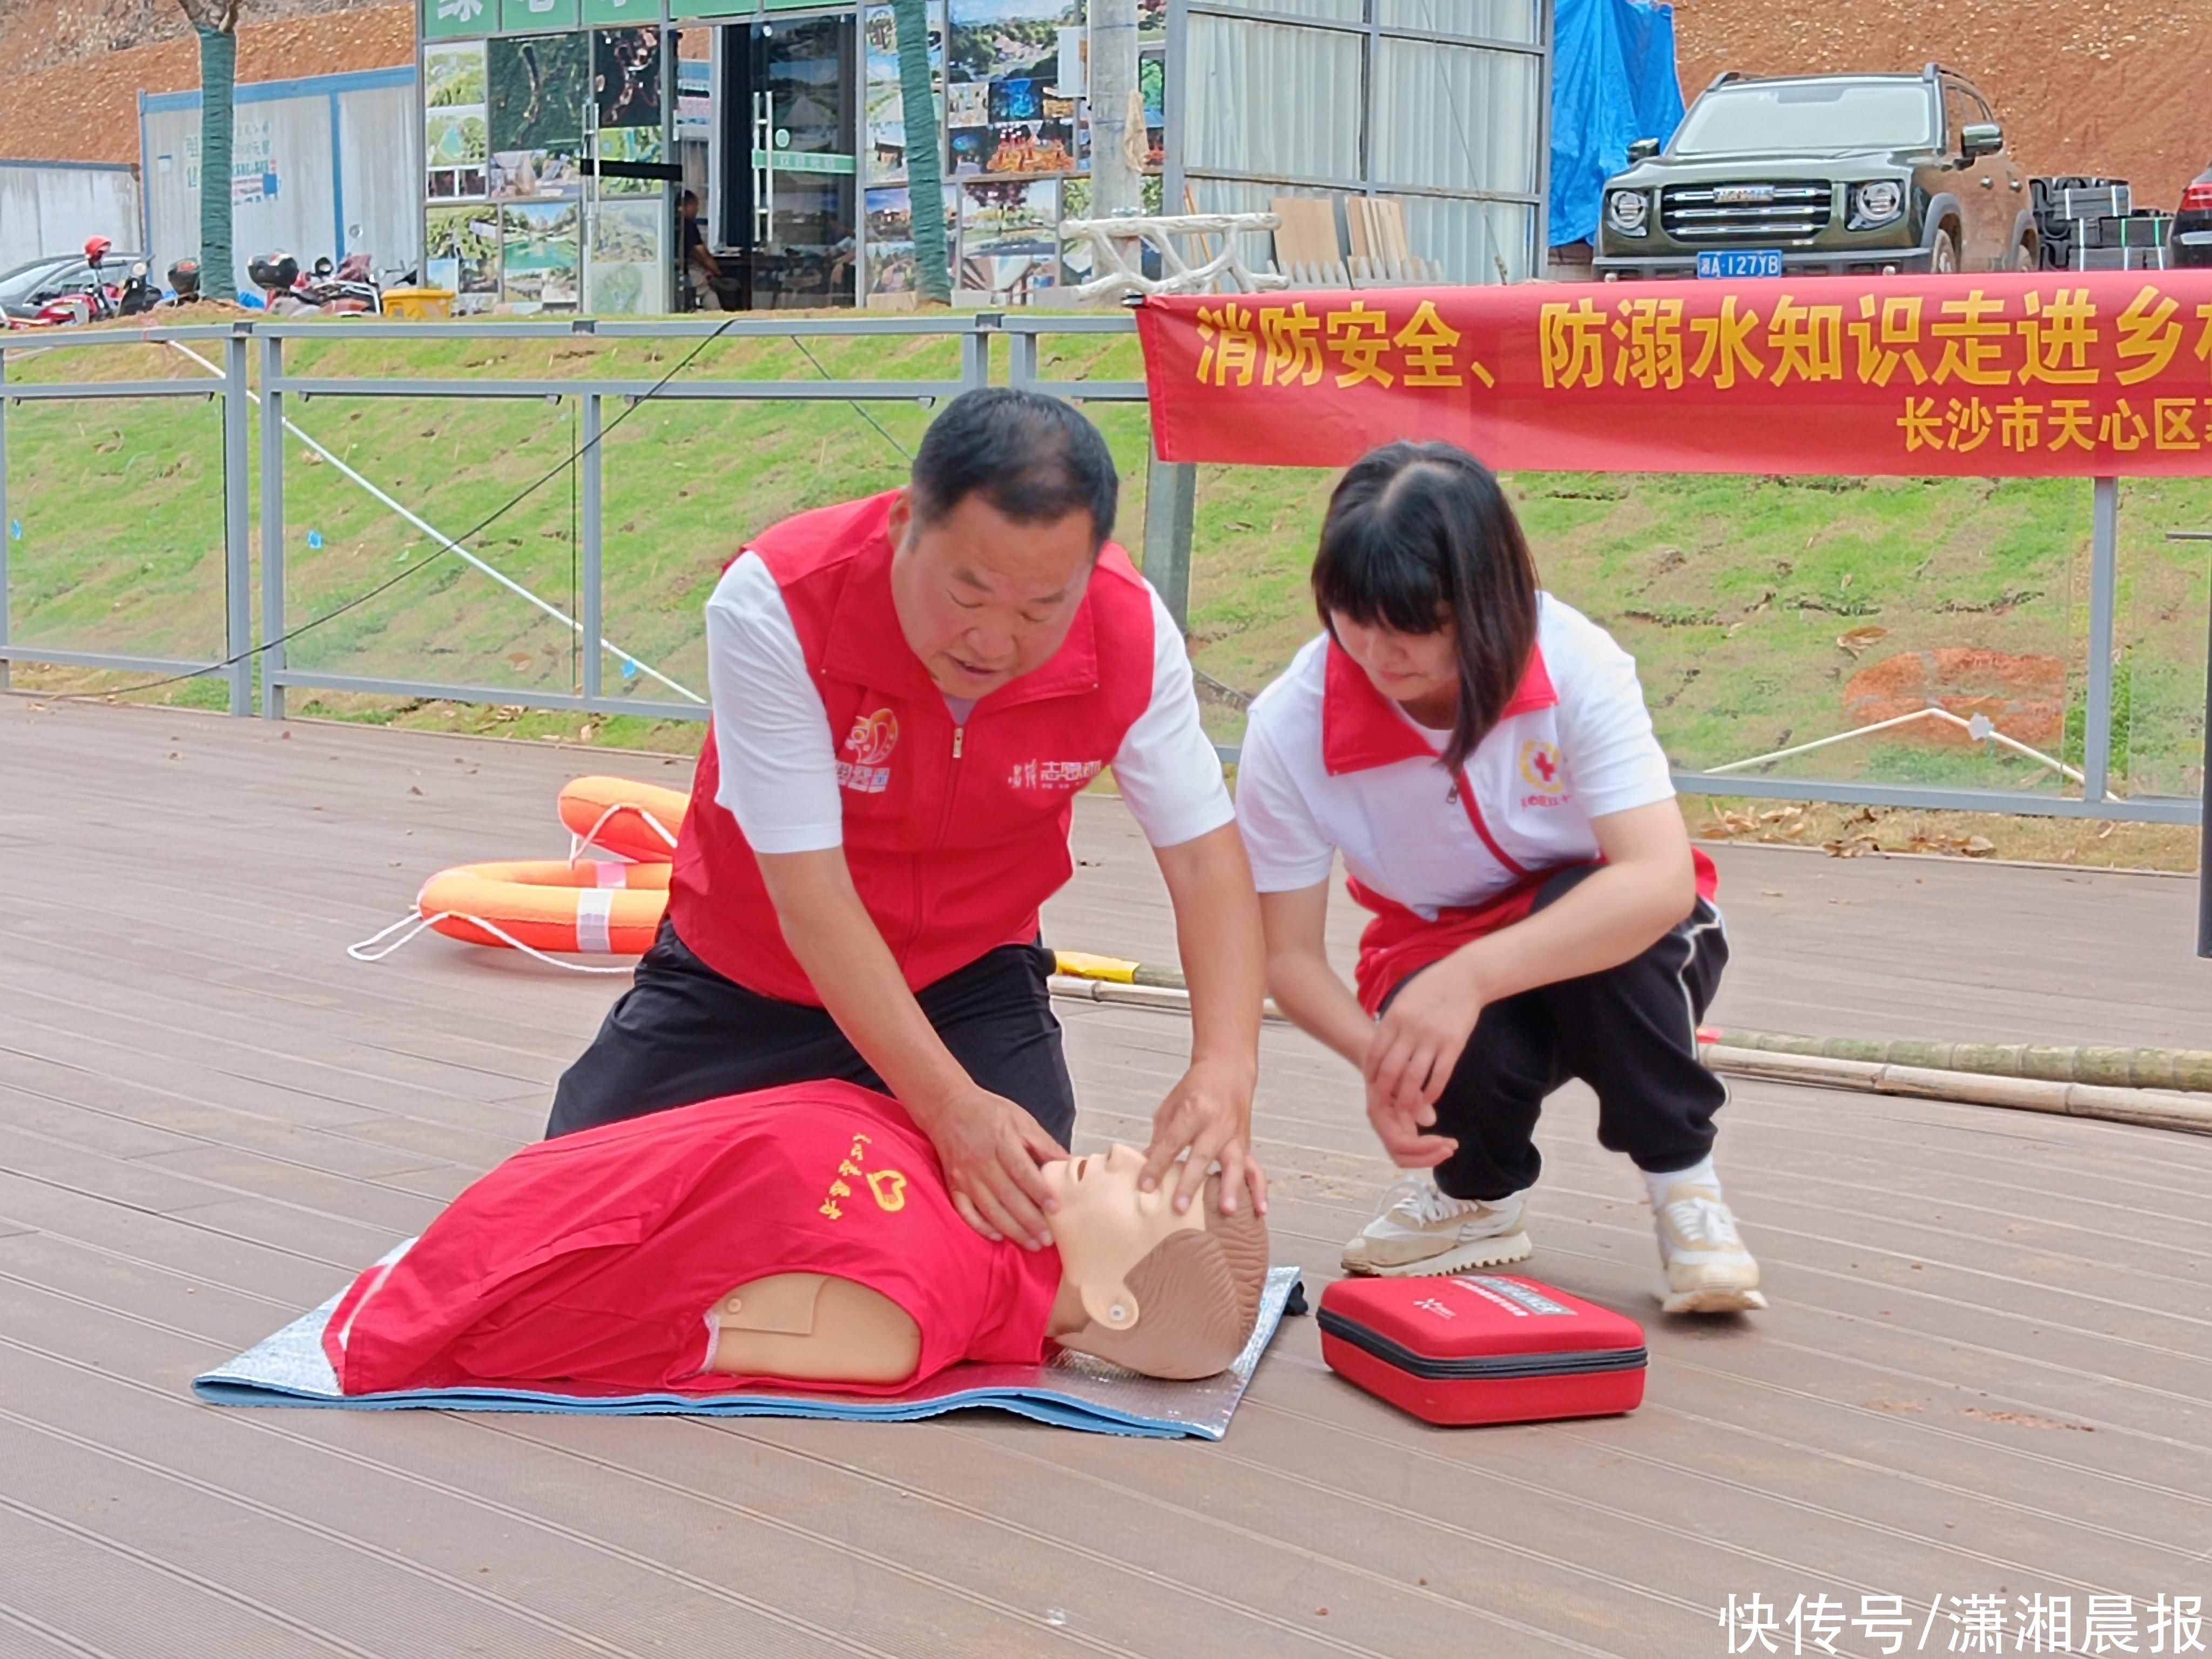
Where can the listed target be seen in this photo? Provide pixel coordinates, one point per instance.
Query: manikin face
(1412, 668)
(982, 599)
(1104, 1227)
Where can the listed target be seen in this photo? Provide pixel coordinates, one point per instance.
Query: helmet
(95, 248)
(185, 277)
(273, 270)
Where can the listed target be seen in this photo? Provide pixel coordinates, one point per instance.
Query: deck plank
(1989, 1365)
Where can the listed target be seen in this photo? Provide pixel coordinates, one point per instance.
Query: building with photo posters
(557, 135)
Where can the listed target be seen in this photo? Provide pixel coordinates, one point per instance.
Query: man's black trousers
(1630, 1032)
(683, 1033)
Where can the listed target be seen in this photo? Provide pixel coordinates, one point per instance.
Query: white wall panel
(1455, 118)
(1493, 20)
(1265, 98)
(307, 168)
(51, 209)
(380, 163)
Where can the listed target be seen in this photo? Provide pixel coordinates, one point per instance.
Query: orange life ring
(590, 909)
(633, 820)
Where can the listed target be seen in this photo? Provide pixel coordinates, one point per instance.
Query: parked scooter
(347, 289)
(138, 293)
(277, 276)
(352, 287)
(96, 300)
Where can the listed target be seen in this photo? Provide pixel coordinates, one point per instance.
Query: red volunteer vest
(956, 835)
(1361, 729)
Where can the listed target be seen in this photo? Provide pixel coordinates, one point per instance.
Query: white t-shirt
(780, 765)
(1576, 744)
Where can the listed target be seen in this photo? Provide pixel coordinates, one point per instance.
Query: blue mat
(1068, 1390)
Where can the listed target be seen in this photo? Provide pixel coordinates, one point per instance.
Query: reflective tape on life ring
(631, 820)
(592, 909)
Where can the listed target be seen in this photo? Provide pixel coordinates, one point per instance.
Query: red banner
(2058, 374)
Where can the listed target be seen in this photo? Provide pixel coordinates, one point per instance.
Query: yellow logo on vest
(1540, 768)
(871, 741)
(890, 1188)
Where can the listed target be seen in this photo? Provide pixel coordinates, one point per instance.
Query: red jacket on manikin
(956, 835)
(587, 1264)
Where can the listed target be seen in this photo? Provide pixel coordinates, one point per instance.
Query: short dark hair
(687, 196)
(1033, 458)
(1416, 532)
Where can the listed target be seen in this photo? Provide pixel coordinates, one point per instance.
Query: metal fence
(1167, 534)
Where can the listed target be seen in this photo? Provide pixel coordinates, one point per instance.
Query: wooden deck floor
(1986, 1371)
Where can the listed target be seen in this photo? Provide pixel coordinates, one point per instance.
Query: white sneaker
(1704, 1265)
(1418, 1231)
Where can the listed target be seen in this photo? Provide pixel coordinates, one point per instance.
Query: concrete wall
(328, 165)
(50, 207)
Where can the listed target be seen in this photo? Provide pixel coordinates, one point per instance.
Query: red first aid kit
(1482, 1348)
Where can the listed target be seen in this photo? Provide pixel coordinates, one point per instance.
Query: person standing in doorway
(1480, 757)
(907, 693)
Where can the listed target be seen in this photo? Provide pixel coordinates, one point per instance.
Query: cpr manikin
(1168, 1295)
(804, 1234)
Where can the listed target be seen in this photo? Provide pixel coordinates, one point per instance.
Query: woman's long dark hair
(1417, 532)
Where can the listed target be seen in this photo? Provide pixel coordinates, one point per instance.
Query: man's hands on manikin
(990, 1149)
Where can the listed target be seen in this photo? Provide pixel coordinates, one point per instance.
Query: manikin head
(1012, 495)
(1168, 1295)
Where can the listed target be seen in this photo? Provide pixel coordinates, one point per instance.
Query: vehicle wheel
(1944, 257)
(2028, 256)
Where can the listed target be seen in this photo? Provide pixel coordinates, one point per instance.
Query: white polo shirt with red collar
(1332, 766)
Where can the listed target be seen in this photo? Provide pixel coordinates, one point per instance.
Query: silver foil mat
(1069, 1389)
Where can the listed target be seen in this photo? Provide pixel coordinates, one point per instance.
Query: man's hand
(990, 1149)
(1209, 1114)
(1416, 1044)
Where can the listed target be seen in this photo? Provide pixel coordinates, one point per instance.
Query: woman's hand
(1416, 1043)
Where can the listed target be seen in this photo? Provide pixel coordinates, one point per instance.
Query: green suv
(1821, 175)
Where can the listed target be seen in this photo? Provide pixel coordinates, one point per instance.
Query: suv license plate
(1740, 262)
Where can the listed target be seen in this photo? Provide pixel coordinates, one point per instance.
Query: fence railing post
(594, 601)
(1170, 508)
(2104, 586)
(7, 524)
(1022, 361)
(976, 349)
(272, 527)
(237, 544)
(2204, 821)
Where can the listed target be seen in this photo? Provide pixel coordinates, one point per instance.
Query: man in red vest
(907, 693)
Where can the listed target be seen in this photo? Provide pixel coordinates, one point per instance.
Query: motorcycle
(352, 287)
(97, 300)
(349, 288)
(138, 293)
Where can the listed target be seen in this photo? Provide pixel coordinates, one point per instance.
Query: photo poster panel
(1014, 98)
(884, 149)
(460, 253)
(456, 127)
(626, 266)
(626, 79)
(540, 255)
(524, 252)
(1010, 238)
(890, 220)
